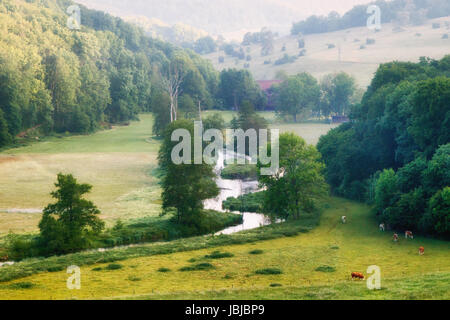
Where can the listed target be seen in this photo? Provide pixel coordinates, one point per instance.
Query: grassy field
(347, 55)
(119, 164)
(340, 249)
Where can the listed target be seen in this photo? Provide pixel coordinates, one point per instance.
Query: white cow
(344, 219)
(382, 227)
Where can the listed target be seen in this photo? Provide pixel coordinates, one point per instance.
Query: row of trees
(54, 79)
(396, 11)
(302, 94)
(401, 124)
(234, 87)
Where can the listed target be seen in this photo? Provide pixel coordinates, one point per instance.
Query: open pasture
(337, 248)
(407, 43)
(119, 163)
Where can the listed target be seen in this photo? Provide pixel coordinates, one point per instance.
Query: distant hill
(230, 18)
(345, 53)
(176, 34)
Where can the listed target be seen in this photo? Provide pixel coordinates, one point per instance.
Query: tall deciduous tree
(185, 186)
(299, 179)
(67, 224)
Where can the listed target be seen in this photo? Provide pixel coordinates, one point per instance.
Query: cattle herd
(396, 238)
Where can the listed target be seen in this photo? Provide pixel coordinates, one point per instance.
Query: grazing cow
(344, 219)
(421, 251)
(382, 227)
(357, 275)
(409, 234)
(395, 237)
(4, 258)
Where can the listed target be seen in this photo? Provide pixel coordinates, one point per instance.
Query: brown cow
(395, 237)
(357, 275)
(421, 251)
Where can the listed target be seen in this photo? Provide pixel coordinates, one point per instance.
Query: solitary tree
(298, 181)
(67, 225)
(185, 186)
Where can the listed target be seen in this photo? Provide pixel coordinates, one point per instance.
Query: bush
(114, 266)
(164, 270)
(285, 59)
(21, 285)
(445, 36)
(301, 43)
(370, 41)
(436, 25)
(267, 61)
(219, 255)
(198, 267)
(256, 252)
(252, 202)
(325, 269)
(331, 45)
(241, 172)
(275, 285)
(269, 271)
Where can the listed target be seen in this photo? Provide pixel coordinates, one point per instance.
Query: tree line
(395, 152)
(53, 79)
(396, 11)
(303, 95)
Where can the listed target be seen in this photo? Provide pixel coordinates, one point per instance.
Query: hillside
(231, 18)
(54, 78)
(407, 45)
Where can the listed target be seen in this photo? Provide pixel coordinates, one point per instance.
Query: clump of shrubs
(370, 41)
(275, 285)
(269, 271)
(164, 270)
(331, 45)
(285, 59)
(326, 269)
(219, 255)
(114, 266)
(436, 25)
(198, 267)
(256, 252)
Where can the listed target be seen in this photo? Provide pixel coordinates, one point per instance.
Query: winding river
(228, 188)
(235, 188)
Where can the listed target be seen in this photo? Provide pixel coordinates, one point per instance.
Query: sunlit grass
(405, 274)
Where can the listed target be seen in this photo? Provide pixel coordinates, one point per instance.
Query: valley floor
(341, 249)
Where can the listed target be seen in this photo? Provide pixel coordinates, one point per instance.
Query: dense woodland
(54, 79)
(395, 152)
(401, 12)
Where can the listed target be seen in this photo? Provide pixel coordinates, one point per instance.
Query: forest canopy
(395, 151)
(54, 79)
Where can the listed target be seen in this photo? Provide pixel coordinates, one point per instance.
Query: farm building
(266, 87)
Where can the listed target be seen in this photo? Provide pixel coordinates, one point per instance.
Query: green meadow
(312, 265)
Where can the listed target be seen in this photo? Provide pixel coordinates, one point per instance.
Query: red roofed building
(266, 87)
